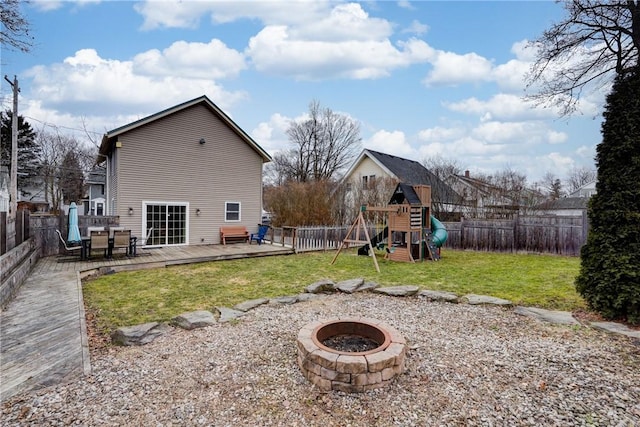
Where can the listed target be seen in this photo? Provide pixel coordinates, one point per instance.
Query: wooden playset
(408, 233)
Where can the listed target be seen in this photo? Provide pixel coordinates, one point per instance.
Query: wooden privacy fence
(13, 233)
(562, 235)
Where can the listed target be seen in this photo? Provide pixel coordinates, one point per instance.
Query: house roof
(409, 172)
(97, 176)
(565, 203)
(590, 187)
(474, 183)
(112, 135)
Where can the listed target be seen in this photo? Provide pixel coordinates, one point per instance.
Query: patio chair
(259, 237)
(69, 250)
(112, 230)
(99, 240)
(141, 243)
(90, 229)
(122, 240)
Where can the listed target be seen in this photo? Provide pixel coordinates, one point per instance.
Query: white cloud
(518, 133)
(187, 14)
(48, 5)
(274, 51)
(439, 134)
(502, 107)
(405, 4)
(213, 60)
(305, 40)
(394, 143)
(344, 22)
(271, 135)
(86, 84)
(451, 69)
(510, 76)
(416, 28)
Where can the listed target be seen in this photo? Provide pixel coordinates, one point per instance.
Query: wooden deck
(43, 332)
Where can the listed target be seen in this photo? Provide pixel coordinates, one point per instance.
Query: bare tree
(442, 167)
(14, 28)
(552, 186)
(323, 144)
(62, 157)
(579, 176)
(595, 41)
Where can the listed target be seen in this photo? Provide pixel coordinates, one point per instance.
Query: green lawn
(130, 298)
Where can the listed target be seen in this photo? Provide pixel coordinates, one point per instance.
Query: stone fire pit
(350, 354)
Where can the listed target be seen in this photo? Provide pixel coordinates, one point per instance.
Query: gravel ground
(466, 365)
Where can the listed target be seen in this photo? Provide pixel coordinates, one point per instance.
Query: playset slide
(364, 250)
(438, 232)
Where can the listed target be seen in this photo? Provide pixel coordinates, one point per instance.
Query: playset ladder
(431, 247)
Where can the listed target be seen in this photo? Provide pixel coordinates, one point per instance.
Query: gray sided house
(95, 202)
(185, 172)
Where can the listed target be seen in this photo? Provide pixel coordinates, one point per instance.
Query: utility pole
(13, 174)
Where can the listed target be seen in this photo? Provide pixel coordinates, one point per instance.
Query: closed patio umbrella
(74, 231)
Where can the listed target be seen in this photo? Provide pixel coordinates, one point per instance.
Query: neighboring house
(372, 168)
(482, 199)
(185, 172)
(96, 202)
(565, 206)
(573, 205)
(587, 190)
(34, 198)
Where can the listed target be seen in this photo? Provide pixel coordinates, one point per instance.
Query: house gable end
(110, 138)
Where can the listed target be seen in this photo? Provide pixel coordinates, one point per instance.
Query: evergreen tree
(28, 151)
(609, 277)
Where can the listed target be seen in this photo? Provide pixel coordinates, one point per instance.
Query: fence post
(516, 240)
(461, 233)
(324, 239)
(294, 235)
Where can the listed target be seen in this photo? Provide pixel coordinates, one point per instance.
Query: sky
(424, 79)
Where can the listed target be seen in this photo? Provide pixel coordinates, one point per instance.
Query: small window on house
(372, 181)
(348, 187)
(365, 181)
(232, 211)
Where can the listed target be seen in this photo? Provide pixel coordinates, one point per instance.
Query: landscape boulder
(324, 285)
(485, 299)
(138, 334)
(349, 286)
(398, 291)
(438, 296)
(250, 304)
(227, 314)
(194, 319)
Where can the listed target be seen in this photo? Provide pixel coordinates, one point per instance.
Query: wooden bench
(234, 232)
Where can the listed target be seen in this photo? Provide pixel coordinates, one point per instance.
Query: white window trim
(143, 223)
(226, 210)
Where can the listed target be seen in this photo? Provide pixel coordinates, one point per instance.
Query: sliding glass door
(169, 222)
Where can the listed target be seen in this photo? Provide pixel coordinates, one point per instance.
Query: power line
(63, 127)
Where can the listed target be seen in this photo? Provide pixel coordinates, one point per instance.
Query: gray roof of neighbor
(413, 173)
(565, 203)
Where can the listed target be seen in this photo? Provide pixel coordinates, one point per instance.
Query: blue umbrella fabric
(74, 231)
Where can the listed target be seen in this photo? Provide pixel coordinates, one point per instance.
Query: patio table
(86, 243)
